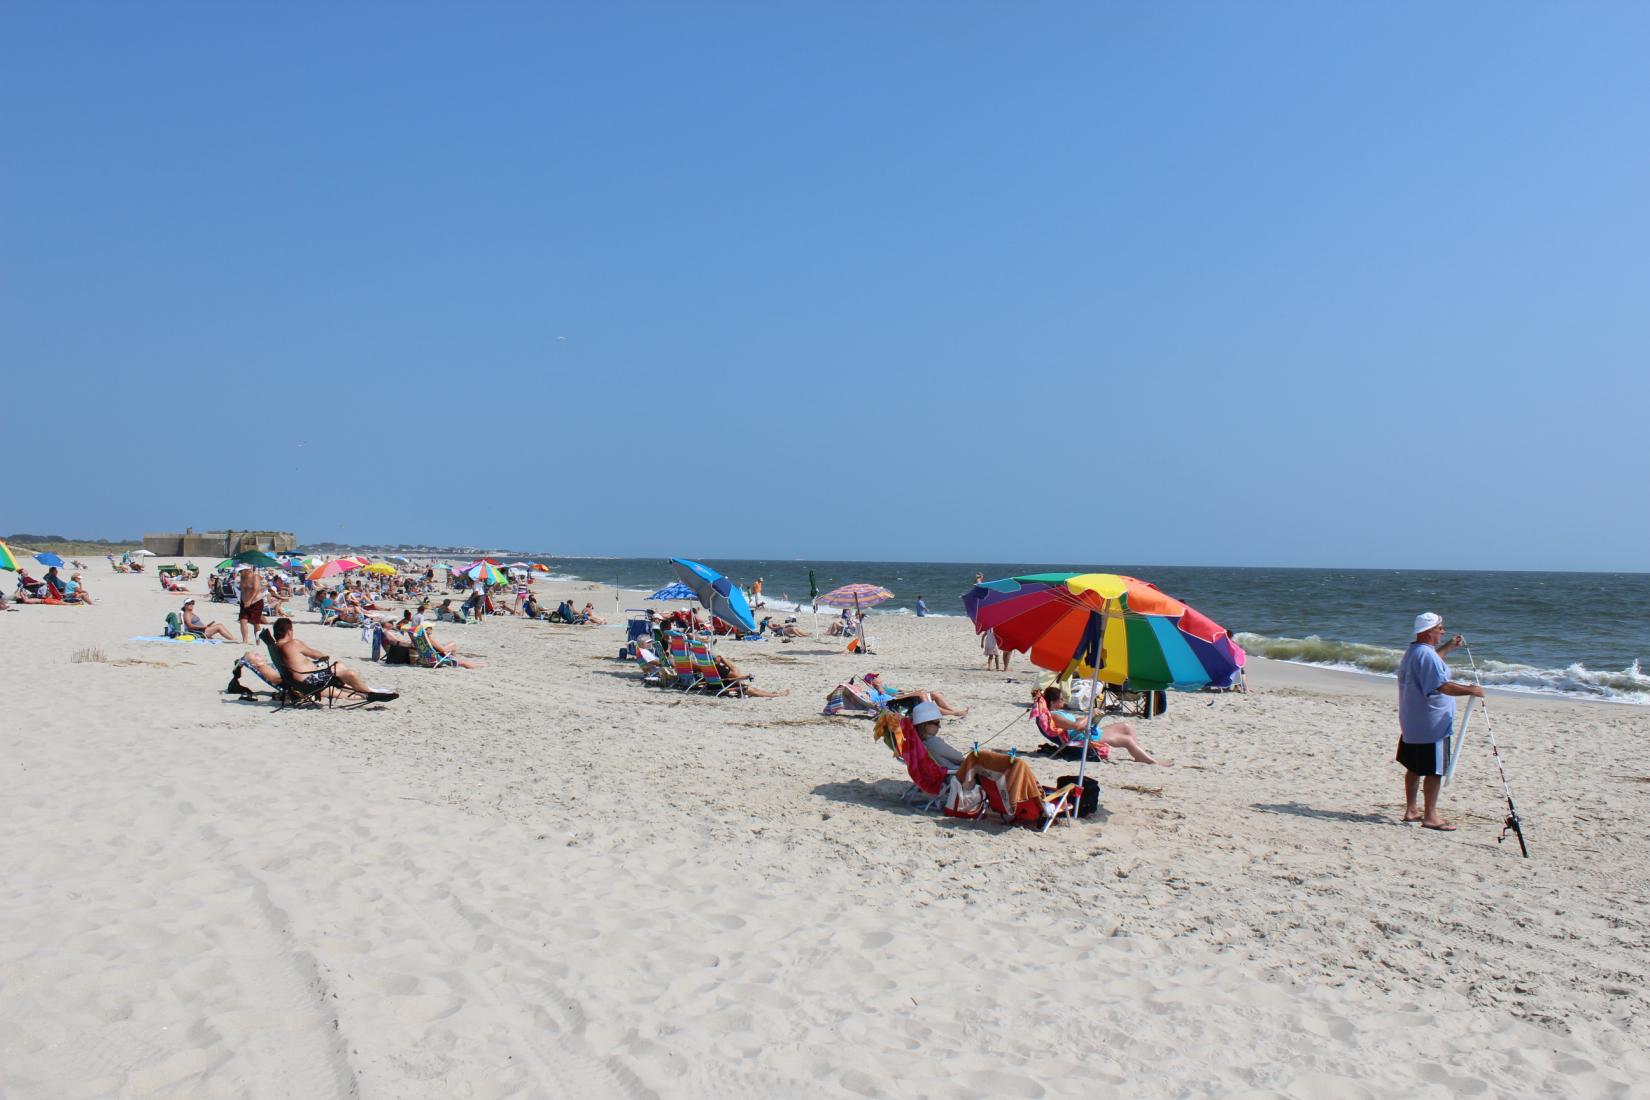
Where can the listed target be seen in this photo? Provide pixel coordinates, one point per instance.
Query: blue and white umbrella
(677, 591)
(716, 593)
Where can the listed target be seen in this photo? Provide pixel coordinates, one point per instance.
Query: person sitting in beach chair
(434, 654)
(588, 616)
(740, 683)
(447, 613)
(843, 626)
(115, 565)
(31, 587)
(300, 674)
(1076, 727)
(889, 696)
(194, 624)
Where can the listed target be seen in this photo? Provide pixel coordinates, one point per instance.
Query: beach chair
(681, 661)
(295, 692)
(654, 676)
(174, 625)
(1062, 745)
(704, 666)
(428, 655)
(1119, 699)
(1012, 791)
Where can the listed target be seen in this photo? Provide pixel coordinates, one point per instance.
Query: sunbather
(300, 662)
(448, 649)
(1119, 735)
(589, 617)
(193, 624)
(843, 626)
(741, 681)
(891, 696)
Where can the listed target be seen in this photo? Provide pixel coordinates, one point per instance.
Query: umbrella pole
(1094, 698)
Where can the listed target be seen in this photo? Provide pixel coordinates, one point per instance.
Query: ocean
(1577, 635)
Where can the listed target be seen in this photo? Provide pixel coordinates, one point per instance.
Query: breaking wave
(1574, 681)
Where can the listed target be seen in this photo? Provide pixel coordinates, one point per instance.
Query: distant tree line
(28, 539)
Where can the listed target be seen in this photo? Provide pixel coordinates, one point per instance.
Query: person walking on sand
(252, 604)
(1426, 717)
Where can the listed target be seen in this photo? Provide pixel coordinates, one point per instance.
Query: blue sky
(1269, 284)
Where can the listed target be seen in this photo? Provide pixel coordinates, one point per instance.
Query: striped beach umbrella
(333, 568)
(8, 560)
(857, 596)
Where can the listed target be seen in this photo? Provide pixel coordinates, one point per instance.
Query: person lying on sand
(891, 696)
(741, 681)
(194, 624)
(1119, 735)
(300, 661)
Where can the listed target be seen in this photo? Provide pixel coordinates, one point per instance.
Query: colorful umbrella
(8, 560)
(484, 572)
(381, 568)
(716, 593)
(677, 591)
(333, 568)
(1117, 629)
(46, 557)
(856, 596)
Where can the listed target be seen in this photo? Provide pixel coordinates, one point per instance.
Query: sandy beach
(542, 878)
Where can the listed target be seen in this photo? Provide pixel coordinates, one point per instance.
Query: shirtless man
(300, 661)
(252, 604)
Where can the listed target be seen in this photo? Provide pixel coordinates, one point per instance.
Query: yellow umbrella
(380, 567)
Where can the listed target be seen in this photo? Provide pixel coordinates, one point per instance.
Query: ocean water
(1581, 635)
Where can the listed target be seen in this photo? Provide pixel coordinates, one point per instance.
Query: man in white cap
(1426, 717)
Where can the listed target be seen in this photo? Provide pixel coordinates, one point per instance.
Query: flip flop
(1446, 828)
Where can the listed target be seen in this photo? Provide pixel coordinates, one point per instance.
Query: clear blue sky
(1280, 283)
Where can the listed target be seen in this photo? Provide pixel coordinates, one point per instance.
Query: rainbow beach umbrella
(1110, 627)
(8, 560)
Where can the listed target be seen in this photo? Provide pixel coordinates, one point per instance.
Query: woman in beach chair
(740, 683)
(434, 654)
(194, 624)
(1119, 735)
(889, 696)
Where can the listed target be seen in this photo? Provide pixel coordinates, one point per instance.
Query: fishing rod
(1512, 824)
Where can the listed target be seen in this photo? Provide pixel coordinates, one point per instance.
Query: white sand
(543, 879)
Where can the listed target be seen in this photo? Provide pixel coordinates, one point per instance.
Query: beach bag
(959, 801)
(1088, 800)
(397, 654)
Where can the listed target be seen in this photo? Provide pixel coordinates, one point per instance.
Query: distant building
(207, 544)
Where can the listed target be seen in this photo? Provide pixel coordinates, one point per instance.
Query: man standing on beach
(252, 603)
(1426, 717)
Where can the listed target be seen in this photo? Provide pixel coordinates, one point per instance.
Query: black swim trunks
(1424, 759)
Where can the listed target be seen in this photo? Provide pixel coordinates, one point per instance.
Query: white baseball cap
(924, 713)
(1426, 620)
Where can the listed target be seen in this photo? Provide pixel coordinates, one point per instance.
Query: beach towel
(185, 639)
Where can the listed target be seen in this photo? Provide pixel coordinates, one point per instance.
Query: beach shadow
(884, 794)
(1296, 809)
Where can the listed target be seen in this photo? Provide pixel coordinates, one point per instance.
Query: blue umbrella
(677, 591)
(716, 593)
(46, 557)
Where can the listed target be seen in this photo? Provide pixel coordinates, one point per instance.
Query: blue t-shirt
(1425, 716)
